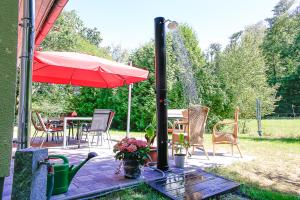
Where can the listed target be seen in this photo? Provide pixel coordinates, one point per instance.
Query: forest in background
(261, 61)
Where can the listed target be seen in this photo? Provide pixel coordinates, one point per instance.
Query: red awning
(83, 70)
(46, 12)
(48, 21)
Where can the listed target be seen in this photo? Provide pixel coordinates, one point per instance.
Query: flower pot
(153, 155)
(132, 169)
(179, 160)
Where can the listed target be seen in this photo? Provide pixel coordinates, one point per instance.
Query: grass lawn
(274, 173)
(142, 191)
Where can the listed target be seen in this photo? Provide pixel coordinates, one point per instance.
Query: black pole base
(164, 168)
(2, 179)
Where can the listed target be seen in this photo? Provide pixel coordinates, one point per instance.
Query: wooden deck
(98, 177)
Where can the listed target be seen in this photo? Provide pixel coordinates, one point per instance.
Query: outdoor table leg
(78, 123)
(78, 134)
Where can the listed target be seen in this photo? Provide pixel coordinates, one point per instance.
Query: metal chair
(101, 122)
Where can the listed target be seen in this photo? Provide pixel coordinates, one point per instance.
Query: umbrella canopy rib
(102, 77)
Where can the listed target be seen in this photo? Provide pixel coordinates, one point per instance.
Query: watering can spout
(73, 170)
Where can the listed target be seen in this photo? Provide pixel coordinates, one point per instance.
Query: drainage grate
(193, 185)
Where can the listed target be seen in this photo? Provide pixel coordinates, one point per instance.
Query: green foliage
(251, 189)
(92, 35)
(150, 133)
(181, 144)
(191, 43)
(216, 79)
(119, 54)
(289, 92)
(227, 78)
(141, 192)
(143, 96)
(281, 48)
(68, 34)
(242, 72)
(64, 34)
(51, 100)
(84, 46)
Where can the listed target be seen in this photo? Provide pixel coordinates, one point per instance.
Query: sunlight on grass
(274, 173)
(275, 128)
(141, 192)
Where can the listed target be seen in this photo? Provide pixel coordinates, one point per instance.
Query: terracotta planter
(132, 169)
(179, 160)
(153, 155)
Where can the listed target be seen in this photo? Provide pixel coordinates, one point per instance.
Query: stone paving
(98, 175)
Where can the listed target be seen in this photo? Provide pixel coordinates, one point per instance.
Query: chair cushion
(224, 138)
(55, 129)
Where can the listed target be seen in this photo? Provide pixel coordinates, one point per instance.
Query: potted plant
(133, 153)
(150, 136)
(179, 156)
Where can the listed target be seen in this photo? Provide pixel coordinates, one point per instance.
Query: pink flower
(124, 140)
(141, 143)
(132, 141)
(131, 148)
(123, 147)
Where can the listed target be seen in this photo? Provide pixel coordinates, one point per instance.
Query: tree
(68, 34)
(213, 51)
(65, 33)
(281, 48)
(278, 43)
(290, 96)
(119, 54)
(93, 35)
(242, 72)
(143, 94)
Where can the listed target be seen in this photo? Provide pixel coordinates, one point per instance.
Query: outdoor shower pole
(26, 73)
(161, 93)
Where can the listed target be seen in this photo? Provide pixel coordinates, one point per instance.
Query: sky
(130, 23)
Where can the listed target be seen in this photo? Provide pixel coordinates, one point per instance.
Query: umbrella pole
(129, 107)
(129, 110)
(26, 74)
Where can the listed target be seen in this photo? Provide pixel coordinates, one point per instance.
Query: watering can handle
(66, 161)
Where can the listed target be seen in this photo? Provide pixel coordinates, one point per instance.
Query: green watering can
(60, 175)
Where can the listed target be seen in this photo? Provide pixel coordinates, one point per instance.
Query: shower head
(172, 24)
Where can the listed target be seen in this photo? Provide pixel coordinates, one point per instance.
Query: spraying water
(186, 70)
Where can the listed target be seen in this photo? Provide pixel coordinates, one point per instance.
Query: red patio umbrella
(83, 70)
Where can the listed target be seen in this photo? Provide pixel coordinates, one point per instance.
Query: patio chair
(193, 126)
(40, 126)
(101, 122)
(231, 138)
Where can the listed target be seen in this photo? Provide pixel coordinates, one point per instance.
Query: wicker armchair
(192, 126)
(231, 138)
